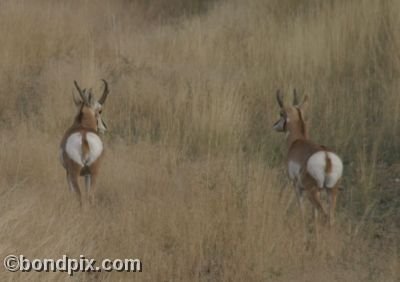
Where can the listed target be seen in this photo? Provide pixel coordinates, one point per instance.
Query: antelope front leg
(299, 195)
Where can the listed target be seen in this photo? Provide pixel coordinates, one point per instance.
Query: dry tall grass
(193, 175)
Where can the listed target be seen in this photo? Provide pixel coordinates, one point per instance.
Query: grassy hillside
(193, 181)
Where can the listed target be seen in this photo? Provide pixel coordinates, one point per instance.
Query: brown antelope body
(81, 148)
(312, 167)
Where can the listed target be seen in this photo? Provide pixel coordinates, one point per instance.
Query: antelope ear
(105, 92)
(77, 101)
(90, 98)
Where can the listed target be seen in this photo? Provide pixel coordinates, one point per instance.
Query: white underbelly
(294, 170)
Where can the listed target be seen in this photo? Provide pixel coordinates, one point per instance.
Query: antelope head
(292, 115)
(88, 105)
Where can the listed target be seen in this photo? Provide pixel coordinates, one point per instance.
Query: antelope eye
(100, 111)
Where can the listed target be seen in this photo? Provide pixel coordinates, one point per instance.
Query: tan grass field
(193, 181)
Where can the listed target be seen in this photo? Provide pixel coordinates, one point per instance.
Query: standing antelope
(311, 167)
(81, 148)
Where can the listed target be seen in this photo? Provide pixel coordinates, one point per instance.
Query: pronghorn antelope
(311, 167)
(81, 147)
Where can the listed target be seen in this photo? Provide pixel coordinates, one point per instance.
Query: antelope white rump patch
(73, 147)
(316, 165)
(95, 147)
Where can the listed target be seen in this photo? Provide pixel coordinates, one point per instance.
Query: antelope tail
(326, 168)
(85, 149)
(85, 155)
(328, 163)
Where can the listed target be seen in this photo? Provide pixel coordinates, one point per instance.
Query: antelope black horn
(295, 98)
(105, 93)
(80, 91)
(279, 98)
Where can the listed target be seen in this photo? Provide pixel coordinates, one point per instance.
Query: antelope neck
(86, 120)
(296, 131)
(291, 137)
